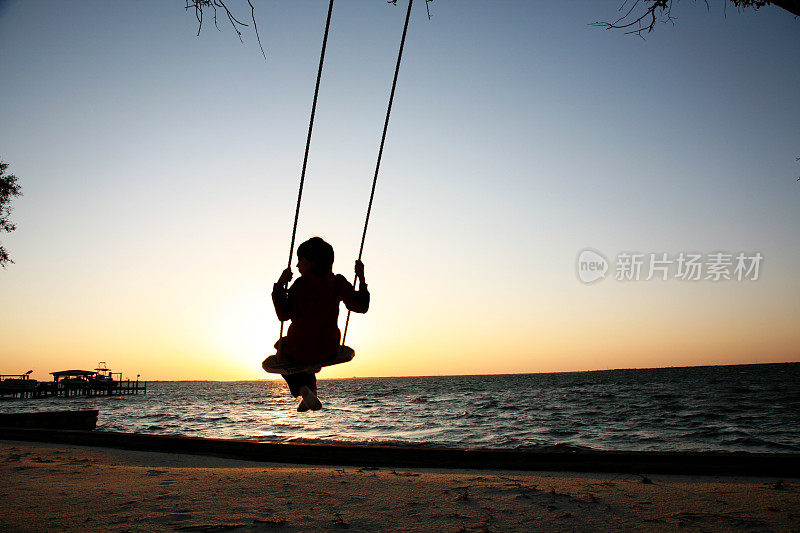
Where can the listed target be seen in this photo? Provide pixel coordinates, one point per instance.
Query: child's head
(319, 253)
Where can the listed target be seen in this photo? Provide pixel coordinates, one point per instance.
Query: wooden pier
(70, 383)
(91, 383)
(19, 386)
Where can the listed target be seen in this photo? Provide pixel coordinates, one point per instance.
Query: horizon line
(476, 375)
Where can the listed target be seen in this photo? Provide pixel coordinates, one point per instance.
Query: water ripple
(734, 408)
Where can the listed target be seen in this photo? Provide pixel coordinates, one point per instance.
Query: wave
(751, 408)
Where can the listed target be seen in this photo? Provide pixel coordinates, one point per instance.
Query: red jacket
(312, 304)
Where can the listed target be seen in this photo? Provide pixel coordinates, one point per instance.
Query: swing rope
(380, 154)
(308, 140)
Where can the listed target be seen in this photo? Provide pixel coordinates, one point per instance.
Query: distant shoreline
(481, 375)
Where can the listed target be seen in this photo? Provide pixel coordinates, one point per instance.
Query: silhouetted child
(312, 304)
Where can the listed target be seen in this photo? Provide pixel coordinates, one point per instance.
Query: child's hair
(319, 252)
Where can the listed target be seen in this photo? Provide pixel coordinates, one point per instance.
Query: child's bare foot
(310, 399)
(302, 407)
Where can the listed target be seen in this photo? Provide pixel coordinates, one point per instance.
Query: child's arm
(280, 296)
(357, 301)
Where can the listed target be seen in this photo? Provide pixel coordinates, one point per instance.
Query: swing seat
(284, 365)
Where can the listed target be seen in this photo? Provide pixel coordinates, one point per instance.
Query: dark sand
(49, 487)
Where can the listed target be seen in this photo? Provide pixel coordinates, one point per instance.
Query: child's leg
(300, 380)
(304, 384)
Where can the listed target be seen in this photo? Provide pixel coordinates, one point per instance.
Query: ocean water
(752, 408)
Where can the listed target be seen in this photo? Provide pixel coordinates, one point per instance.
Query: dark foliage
(9, 188)
(212, 8)
(641, 16)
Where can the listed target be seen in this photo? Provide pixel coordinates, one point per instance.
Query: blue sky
(160, 170)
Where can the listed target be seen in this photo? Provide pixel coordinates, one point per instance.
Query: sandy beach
(64, 487)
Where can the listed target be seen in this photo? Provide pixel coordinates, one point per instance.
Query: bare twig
(255, 27)
(427, 8)
(654, 10)
(642, 15)
(200, 6)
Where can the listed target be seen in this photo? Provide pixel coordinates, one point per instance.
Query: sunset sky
(160, 172)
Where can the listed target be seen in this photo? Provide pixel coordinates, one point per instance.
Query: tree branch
(9, 188)
(644, 22)
(200, 7)
(638, 22)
